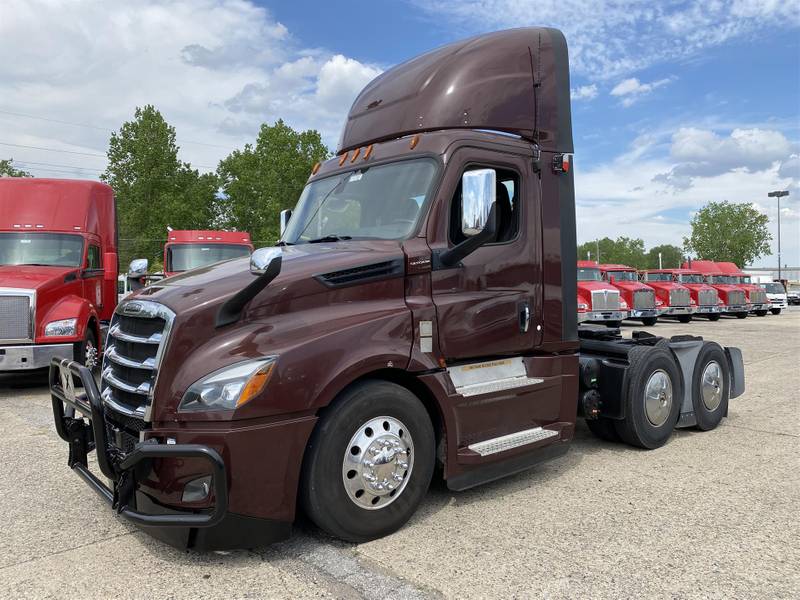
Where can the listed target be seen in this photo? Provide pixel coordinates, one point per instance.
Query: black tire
(636, 428)
(775, 311)
(613, 323)
(710, 410)
(761, 313)
(713, 317)
(323, 494)
(603, 428)
(741, 315)
(649, 321)
(685, 318)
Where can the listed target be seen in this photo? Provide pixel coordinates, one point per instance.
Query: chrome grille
(758, 297)
(644, 299)
(736, 297)
(707, 297)
(679, 297)
(605, 300)
(15, 316)
(136, 341)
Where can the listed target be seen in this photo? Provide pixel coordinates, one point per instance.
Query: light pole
(779, 194)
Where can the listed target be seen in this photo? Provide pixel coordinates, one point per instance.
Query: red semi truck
(189, 249)
(675, 297)
(58, 270)
(643, 304)
(704, 298)
(731, 294)
(419, 311)
(756, 297)
(598, 301)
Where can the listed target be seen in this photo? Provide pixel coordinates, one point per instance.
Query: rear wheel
(649, 321)
(713, 317)
(775, 311)
(741, 315)
(369, 462)
(761, 313)
(685, 318)
(710, 386)
(652, 402)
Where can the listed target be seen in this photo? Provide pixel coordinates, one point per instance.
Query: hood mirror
(286, 214)
(138, 267)
(261, 259)
(266, 264)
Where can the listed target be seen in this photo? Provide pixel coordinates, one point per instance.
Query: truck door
(489, 305)
(92, 275)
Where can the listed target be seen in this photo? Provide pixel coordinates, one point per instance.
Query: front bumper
(778, 304)
(736, 308)
(674, 311)
(32, 356)
(643, 313)
(602, 315)
(758, 307)
(211, 526)
(708, 310)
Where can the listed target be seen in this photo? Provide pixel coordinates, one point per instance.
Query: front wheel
(87, 352)
(713, 317)
(685, 318)
(741, 315)
(761, 313)
(369, 462)
(649, 321)
(775, 311)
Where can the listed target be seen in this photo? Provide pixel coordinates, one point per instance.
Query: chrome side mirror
(138, 267)
(286, 214)
(478, 194)
(261, 259)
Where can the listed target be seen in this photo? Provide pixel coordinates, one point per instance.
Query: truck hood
(590, 286)
(32, 277)
(630, 286)
(302, 271)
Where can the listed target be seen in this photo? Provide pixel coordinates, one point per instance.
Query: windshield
(622, 275)
(729, 279)
(183, 257)
(696, 278)
(48, 249)
(589, 275)
(381, 202)
(659, 277)
(745, 279)
(773, 288)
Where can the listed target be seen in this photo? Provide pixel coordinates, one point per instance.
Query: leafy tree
(623, 251)
(7, 169)
(671, 257)
(260, 181)
(729, 232)
(153, 187)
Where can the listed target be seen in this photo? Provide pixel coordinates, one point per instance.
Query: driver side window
(508, 208)
(93, 258)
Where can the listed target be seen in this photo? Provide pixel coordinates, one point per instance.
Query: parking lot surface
(709, 515)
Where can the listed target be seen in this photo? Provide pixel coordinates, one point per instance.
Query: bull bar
(117, 466)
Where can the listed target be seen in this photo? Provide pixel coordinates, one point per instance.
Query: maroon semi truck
(419, 310)
(58, 270)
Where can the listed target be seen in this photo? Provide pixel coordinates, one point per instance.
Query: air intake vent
(363, 274)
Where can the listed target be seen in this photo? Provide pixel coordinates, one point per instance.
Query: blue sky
(674, 103)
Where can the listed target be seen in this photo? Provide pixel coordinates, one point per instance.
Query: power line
(29, 162)
(51, 149)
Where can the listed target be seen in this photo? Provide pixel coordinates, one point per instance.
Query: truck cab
(676, 298)
(598, 301)
(755, 296)
(191, 249)
(777, 296)
(58, 270)
(705, 298)
(641, 298)
(731, 294)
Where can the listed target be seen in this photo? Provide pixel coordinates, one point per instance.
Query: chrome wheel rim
(658, 397)
(377, 463)
(711, 385)
(90, 356)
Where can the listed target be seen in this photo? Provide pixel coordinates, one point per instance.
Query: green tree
(7, 169)
(671, 257)
(622, 251)
(729, 232)
(259, 181)
(153, 187)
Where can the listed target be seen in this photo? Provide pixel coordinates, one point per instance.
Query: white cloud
(631, 90)
(584, 92)
(216, 69)
(609, 39)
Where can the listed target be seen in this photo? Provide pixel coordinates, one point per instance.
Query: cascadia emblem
(132, 308)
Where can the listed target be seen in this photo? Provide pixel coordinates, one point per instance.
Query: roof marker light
(39, 226)
(414, 142)
(316, 168)
(342, 159)
(355, 155)
(17, 225)
(28, 226)
(368, 152)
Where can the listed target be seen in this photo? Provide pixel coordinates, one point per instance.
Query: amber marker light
(316, 168)
(414, 142)
(355, 155)
(256, 383)
(342, 159)
(368, 152)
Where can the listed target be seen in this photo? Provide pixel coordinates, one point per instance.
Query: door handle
(524, 317)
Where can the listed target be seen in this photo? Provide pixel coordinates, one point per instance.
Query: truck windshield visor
(622, 275)
(184, 257)
(726, 279)
(45, 249)
(589, 275)
(380, 202)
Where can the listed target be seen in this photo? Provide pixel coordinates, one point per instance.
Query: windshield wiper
(330, 238)
(282, 243)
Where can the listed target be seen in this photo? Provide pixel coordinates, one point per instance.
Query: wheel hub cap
(658, 397)
(377, 463)
(712, 385)
(90, 360)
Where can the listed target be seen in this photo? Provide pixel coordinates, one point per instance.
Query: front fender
(68, 307)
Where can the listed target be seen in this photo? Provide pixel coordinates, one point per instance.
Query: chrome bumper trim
(34, 356)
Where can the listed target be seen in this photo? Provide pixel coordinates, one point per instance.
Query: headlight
(622, 303)
(230, 387)
(583, 306)
(61, 328)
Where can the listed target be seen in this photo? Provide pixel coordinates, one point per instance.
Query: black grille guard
(118, 467)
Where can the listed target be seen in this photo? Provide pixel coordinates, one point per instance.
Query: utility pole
(779, 194)
(659, 261)
(597, 245)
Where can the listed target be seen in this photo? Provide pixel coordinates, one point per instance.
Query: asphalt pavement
(711, 514)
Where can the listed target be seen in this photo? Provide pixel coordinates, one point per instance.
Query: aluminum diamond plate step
(512, 440)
